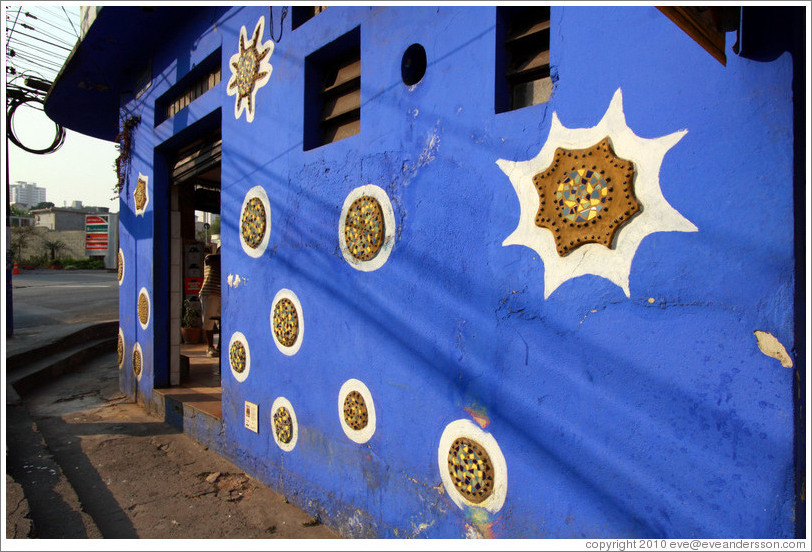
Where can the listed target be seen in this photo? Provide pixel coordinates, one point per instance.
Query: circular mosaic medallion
(285, 426)
(472, 467)
(141, 194)
(143, 308)
(137, 361)
(356, 411)
(364, 228)
(471, 470)
(581, 195)
(239, 356)
(120, 267)
(285, 322)
(253, 222)
(121, 348)
(236, 355)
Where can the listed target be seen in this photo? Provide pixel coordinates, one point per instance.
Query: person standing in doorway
(210, 298)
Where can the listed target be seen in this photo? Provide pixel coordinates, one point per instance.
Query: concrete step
(55, 341)
(45, 367)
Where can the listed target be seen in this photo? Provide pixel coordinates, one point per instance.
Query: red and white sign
(192, 285)
(97, 231)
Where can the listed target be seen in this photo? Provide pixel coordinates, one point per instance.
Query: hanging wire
(59, 136)
(281, 24)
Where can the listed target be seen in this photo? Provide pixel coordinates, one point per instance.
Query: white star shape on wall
(656, 215)
(250, 70)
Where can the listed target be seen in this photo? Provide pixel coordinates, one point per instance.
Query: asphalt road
(48, 297)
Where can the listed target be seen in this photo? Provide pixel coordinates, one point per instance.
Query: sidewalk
(105, 468)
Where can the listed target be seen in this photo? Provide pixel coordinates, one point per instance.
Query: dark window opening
(333, 91)
(197, 82)
(522, 57)
(413, 64)
(300, 14)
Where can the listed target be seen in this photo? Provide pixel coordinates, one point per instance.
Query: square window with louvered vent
(333, 91)
(522, 57)
(302, 14)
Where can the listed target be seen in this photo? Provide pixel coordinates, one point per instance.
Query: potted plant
(190, 323)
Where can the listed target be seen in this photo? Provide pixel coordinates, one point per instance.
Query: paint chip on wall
(771, 347)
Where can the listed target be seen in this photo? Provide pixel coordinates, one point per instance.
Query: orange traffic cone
(15, 270)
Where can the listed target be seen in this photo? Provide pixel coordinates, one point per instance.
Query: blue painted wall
(616, 416)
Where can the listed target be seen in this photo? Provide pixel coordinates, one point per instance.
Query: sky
(83, 169)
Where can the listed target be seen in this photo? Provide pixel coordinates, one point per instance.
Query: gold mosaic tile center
(236, 356)
(356, 414)
(143, 308)
(120, 266)
(120, 350)
(471, 469)
(364, 228)
(140, 194)
(285, 322)
(585, 196)
(283, 425)
(253, 222)
(247, 68)
(137, 362)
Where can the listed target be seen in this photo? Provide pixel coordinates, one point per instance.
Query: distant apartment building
(26, 194)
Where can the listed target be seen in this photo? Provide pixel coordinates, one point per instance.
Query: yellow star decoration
(250, 70)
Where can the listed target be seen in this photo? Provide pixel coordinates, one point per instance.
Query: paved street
(47, 297)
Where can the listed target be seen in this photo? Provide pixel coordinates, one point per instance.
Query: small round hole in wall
(413, 64)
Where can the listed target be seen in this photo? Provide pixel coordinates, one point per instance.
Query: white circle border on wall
(277, 404)
(469, 430)
(123, 266)
(143, 291)
(358, 435)
(239, 336)
(137, 347)
(259, 193)
(388, 228)
(293, 349)
(123, 341)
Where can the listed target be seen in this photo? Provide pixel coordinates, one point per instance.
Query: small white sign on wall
(252, 416)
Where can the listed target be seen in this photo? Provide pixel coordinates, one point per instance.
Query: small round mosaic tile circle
(120, 267)
(284, 424)
(366, 228)
(239, 356)
(144, 308)
(472, 467)
(255, 222)
(287, 322)
(141, 194)
(138, 361)
(356, 411)
(121, 348)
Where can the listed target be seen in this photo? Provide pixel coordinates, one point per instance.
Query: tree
(53, 246)
(20, 238)
(43, 205)
(19, 212)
